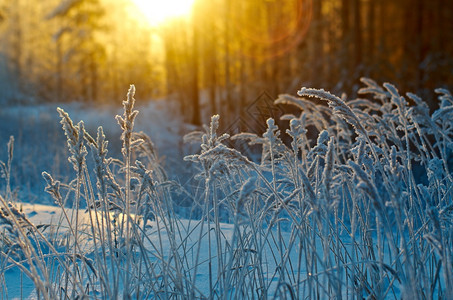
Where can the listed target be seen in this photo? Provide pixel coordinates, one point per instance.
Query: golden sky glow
(157, 12)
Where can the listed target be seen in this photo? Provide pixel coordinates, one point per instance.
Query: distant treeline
(228, 54)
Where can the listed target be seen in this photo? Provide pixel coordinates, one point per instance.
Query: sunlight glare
(157, 12)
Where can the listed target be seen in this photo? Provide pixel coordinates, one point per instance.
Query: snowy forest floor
(40, 142)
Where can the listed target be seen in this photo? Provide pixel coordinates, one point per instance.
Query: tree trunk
(229, 105)
(357, 35)
(371, 32)
(195, 90)
(317, 55)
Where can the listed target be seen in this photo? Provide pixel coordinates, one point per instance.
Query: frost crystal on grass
(338, 106)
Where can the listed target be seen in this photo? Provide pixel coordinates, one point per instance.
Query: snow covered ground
(193, 235)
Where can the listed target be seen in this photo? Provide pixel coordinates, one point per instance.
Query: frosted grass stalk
(127, 125)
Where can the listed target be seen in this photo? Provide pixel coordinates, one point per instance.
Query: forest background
(225, 55)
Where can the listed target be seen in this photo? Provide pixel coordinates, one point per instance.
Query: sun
(157, 12)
